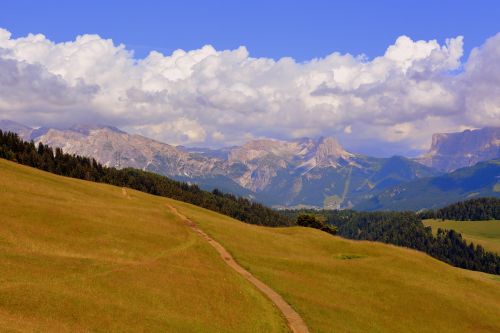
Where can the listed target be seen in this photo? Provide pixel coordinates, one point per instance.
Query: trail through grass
(293, 319)
(339, 285)
(78, 256)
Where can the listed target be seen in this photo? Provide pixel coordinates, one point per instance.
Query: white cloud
(215, 97)
(480, 85)
(179, 131)
(218, 136)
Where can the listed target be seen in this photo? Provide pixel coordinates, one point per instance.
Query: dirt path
(293, 319)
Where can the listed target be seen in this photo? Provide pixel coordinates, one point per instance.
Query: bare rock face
(116, 148)
(450, 151)
(328, 152)
(265, 159)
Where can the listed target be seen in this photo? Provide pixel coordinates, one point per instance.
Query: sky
(382, 76)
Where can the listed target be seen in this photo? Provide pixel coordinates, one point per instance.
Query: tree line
(56, 161)
(406, 229)
(479, 209)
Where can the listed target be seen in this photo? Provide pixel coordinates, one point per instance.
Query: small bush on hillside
(311, 221)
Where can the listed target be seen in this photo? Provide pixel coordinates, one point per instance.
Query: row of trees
(55, 161)
(479, 209)
(406, 229)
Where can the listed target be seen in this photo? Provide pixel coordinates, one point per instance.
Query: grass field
(486, 233)
(339, 285)
(79, 256)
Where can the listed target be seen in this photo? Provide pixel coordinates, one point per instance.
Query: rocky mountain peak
(325, 152)
(263, 149)
(329, 147)
(305, 148)
(450, 151)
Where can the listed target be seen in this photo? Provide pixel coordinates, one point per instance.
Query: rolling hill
(80, 256)
(340, 285)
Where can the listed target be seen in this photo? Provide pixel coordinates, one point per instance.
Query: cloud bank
(218, 98)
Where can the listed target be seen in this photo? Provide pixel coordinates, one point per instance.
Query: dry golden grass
(339, 285)
(79, 256)
(486, 233)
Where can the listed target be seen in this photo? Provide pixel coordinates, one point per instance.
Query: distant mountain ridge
(23, 131)
(303, 172)
(480, 180)
(450, 151)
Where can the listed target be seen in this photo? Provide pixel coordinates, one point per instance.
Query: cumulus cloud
(212, 97)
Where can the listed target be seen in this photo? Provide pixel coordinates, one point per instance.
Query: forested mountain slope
(480, 180)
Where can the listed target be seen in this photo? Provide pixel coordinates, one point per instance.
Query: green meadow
(485, 233)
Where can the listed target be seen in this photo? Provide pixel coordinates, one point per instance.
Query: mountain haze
(302, 172)
(480, 180)
(450, 151)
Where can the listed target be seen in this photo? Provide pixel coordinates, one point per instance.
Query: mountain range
(451, 151)
(480, 180)
(307, 172)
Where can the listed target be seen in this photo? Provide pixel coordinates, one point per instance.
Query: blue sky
(299, 29)
(417, 77)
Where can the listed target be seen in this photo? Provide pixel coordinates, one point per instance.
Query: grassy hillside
(80, 256)
(339, 285)
(485, 233)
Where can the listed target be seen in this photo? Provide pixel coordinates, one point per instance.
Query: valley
(480, 180)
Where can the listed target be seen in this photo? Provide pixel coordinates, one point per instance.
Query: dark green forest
(406, 229)
(480, 209)
(56, 161)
